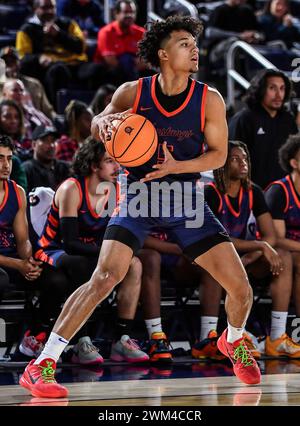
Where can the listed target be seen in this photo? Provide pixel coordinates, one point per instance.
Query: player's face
(5, 162)
(275, 93)
(238, 164)
(109, 169)
(181, 52)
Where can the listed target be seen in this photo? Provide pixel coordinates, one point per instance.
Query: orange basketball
(134, 142)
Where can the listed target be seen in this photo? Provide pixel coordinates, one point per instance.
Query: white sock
(153, 326)
(278, 324)
(207, 324)
(53, 348)
(234, 333)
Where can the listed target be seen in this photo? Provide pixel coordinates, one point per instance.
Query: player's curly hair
(288, 151)
(160, 31)
(89, 154)
(221, 175)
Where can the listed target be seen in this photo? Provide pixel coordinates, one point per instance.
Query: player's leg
(157, 346)
(124, 348)
(296, 282)
(38, 377)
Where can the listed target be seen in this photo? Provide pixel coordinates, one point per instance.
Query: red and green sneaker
(39, 380)
(244, 365)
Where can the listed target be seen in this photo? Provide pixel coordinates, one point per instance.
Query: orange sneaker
(158, 348)
(251, 345)
(244, 365)
(283, 346)
(207, 348)
(39, 380)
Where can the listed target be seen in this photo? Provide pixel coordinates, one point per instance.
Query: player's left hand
(168, 167)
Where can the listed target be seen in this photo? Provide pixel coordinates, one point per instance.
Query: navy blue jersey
(241, 223)
(292, 207)
(182, 129)
(8, 209)
(91, 226)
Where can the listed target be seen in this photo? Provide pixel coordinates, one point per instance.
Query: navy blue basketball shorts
(194, 241)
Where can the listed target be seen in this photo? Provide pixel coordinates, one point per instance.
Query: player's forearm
(210, 160)
(9, 262)
(24, 249)
(246, 245)
(288, 244)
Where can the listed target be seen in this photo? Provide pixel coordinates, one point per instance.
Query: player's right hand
(273, 258)
(28, 270)
(103, 127)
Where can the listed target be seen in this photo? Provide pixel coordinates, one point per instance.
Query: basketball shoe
(127, 349)
(207, 348)
(251, 345)
(283, 346)
(85, 353)
(39, 380)
(244, 365)
(158, 348)
(32, 345)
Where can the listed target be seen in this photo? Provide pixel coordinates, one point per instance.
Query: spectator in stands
(33, 86)
(78, 118)
(283, 199)
(71, 242)
(102, 98)
(264, 125)
(118, 43)
(43, 169)
(229, 22)
(241, 208)
(11, 124)
(87, 13)
(277, 23)
(52, 49)
(14, 90)
(17, 266)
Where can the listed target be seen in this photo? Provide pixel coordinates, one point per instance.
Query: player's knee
(103, 281)
(151, 260)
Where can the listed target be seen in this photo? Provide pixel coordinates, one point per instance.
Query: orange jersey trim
(203, 104)
(17, 193)
(137, 96)
(158, 105)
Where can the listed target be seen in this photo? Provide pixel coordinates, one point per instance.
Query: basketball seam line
(131, 141)
(130, 161)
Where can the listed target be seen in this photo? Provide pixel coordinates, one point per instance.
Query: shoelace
(48, 372)
(291, 343)
(88, 347)
(132, 344)
(242, 352)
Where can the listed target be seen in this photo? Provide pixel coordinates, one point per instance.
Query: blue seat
(64, 96)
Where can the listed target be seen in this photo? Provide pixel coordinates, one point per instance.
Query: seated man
(283, 199)
(235, 200)
(71, 241)
(17, 266)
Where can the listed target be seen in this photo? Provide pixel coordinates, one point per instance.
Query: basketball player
(16, 262)
(70, 245)
(177, 105)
